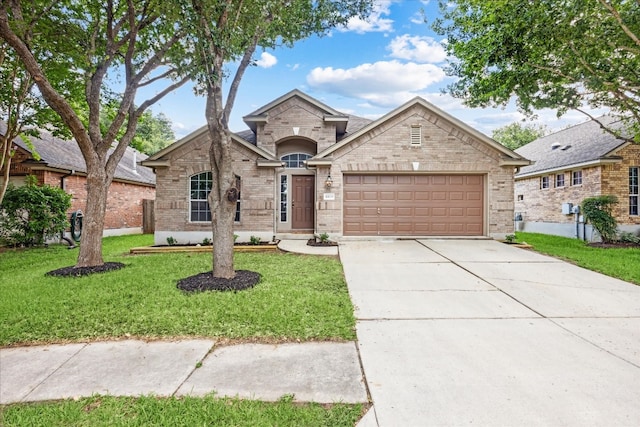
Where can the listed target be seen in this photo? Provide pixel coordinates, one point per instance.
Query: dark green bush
(31, 214)
(597, 210)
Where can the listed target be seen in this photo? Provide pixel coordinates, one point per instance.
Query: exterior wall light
(328, 182)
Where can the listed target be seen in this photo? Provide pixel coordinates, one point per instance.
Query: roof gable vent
(416, 135)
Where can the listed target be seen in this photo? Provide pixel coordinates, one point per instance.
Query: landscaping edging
(191, 248)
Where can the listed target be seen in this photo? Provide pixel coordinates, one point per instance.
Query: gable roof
(331, 115)
(57, 153)
(245, 138)
(579, 145)
(510, 158)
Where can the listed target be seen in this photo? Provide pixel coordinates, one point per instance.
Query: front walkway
(462, 332)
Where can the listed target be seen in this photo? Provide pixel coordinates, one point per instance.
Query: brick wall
(545, 205)
(615, 181)
(124, 200)
(297, 113)
(172, 204)
(385, 149)
(444, 148)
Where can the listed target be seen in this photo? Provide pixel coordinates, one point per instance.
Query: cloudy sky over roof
(366, 69)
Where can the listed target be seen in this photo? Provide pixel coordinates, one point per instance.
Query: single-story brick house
(61, 165)
(305, 168)
(569, 166)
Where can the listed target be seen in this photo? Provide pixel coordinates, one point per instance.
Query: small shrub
(235, 238)
(31, 214)
(324, 237)
(206, 241)
(627, 237)
(254, 240)
(597, 210)
(171, 241)
(511, 238)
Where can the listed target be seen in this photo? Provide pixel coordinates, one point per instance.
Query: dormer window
(416, 135)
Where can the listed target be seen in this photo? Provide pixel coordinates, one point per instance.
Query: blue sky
(368, 69)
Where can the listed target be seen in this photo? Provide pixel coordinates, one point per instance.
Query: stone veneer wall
(545, 205)
(444, 149)
(295, 113)
(172, 205)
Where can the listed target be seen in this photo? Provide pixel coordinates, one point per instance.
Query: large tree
(153, 133)
(114, 48)
(22, 109)
(562, 55)
(230, 31)
(515, 135)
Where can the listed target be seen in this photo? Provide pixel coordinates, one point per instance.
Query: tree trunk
(222, 209)
(93, 225)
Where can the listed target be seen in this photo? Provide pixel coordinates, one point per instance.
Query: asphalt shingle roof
(354, 124)
(65, 154)
(578, 144)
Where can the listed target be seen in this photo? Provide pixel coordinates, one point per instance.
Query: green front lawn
(299, 298)
(102, 411)
(622, 263)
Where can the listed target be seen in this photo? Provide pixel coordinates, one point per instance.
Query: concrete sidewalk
(461, 332)
(323, 372)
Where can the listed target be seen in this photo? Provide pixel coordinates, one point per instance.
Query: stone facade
(541, 208)
(301, 126)
(386, 149)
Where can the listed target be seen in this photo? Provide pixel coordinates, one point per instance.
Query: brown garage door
(413, 205)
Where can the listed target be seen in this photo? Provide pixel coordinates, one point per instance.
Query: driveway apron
(476, 332)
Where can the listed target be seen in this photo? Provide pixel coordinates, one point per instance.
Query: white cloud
(417, 48)
(383, 83)
(376, 22)
(417, 18)
(266, 60)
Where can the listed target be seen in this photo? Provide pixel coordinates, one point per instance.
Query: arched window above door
(295, 160)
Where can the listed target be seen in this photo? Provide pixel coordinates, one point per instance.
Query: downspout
(69, 242)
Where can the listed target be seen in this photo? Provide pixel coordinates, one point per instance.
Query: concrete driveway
(476, 332)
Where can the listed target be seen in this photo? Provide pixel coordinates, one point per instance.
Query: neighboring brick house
(305, 168)
(571, 165)
(61, 165)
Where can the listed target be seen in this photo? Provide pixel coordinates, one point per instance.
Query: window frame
(208, 179)
(299, 160)
(576, 177)
(544, 182)
(202, 209)
(634, 190)
(559, 180)
(284, 198)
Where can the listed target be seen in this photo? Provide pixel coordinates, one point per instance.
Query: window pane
(295, 160)
(634, 190)
(200, 186)
(283, 198)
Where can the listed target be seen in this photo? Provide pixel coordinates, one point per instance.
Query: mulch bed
(316, 242)
(85, 271)
(244, 279)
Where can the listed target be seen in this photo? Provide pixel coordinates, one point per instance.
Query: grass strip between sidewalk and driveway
(299, 298)
(621, 263)
(145, 411)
